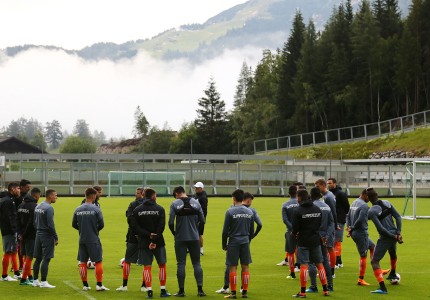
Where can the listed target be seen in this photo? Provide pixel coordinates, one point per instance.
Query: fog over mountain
(105, 82)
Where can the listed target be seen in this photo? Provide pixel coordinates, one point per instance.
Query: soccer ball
(395, 281)
(90, 264)
(121, 262)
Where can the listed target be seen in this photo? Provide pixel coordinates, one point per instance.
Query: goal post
(126, 182)
(418, 179)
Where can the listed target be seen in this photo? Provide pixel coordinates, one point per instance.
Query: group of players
(315, 224)
(32, 224)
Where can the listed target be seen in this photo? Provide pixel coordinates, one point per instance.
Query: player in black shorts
(148, 221)
(382, 213)
(88, 220)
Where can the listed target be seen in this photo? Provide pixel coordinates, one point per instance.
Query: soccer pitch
(267, 279)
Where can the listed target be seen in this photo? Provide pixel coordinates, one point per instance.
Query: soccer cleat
(164, 294)
(291, 276)
(25, 282)
(179, 294)
(122, 289)
(231, 296)
(296, 269)
(362, 282)
(244, 295)
(201, 294)
(45, 284)
(326, 293)
(36, 283)
(150, 294)
(86, 288)
(379, 291)
(223, 291)
(8, 278)
(282, 263)
(338, 266)
(143, 289)
(392, 276)
(312, 289)
(17, 276)
(101, 288)
(299, 295)
(385, 272)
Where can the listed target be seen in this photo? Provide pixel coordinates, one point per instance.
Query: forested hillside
(363, 67)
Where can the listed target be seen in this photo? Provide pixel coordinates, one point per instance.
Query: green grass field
(267, 279)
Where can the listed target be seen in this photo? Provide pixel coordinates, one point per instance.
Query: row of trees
(51, 137)
(363, 67)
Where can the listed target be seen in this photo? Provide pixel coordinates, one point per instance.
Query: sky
(51, 85)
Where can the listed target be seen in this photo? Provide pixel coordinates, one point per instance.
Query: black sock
(382, 286)
(233, 292)
(225, 287)
(303, 290)
(200, 288)
(325, 288)
(85, 283)
(124, 282)
(143, 284)
(181, 290)
(99, 283)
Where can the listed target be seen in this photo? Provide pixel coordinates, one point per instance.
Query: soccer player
(201, 196)
(46, 239)
(306, 225)
(290, 240)
(27, 233)
(382, 213)
(342, 208)
(24, 186)
(357, 228)
(132, 249)
(9, 229)
(99, 190)
(247, 202)
(188, 213)
(88, 220)
(330, 200)
(148, 221)
(325, 231)
(236, 233)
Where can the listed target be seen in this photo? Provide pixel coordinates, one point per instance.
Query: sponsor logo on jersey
(148, 213)
(245, 216)
(314, 215)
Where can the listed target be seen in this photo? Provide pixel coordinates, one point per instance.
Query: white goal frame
(412, 190)
(145, 178)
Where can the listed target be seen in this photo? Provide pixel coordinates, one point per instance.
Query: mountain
(264, 24)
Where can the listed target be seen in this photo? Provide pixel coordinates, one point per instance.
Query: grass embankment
(416, 142)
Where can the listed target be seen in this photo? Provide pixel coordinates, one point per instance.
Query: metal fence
(271, 178)
(346, 134)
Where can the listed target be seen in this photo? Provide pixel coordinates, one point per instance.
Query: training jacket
(306, 224)
(26, 218)
(88, 220)
(148, 218)
(44, 220)
(8, 215)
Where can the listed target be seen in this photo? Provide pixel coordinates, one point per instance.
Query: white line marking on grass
(79, 290)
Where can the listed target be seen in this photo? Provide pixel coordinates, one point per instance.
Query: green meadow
(267, 279)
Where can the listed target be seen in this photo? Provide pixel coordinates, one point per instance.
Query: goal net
(417, 191)
(126, 182)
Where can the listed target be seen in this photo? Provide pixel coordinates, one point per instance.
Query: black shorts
(238, 252)
(290, 242)
(44, 247)
(146, 256)
(90, 250)
(27, 247)
(10, 243)
(306, 255)
(131, 253)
